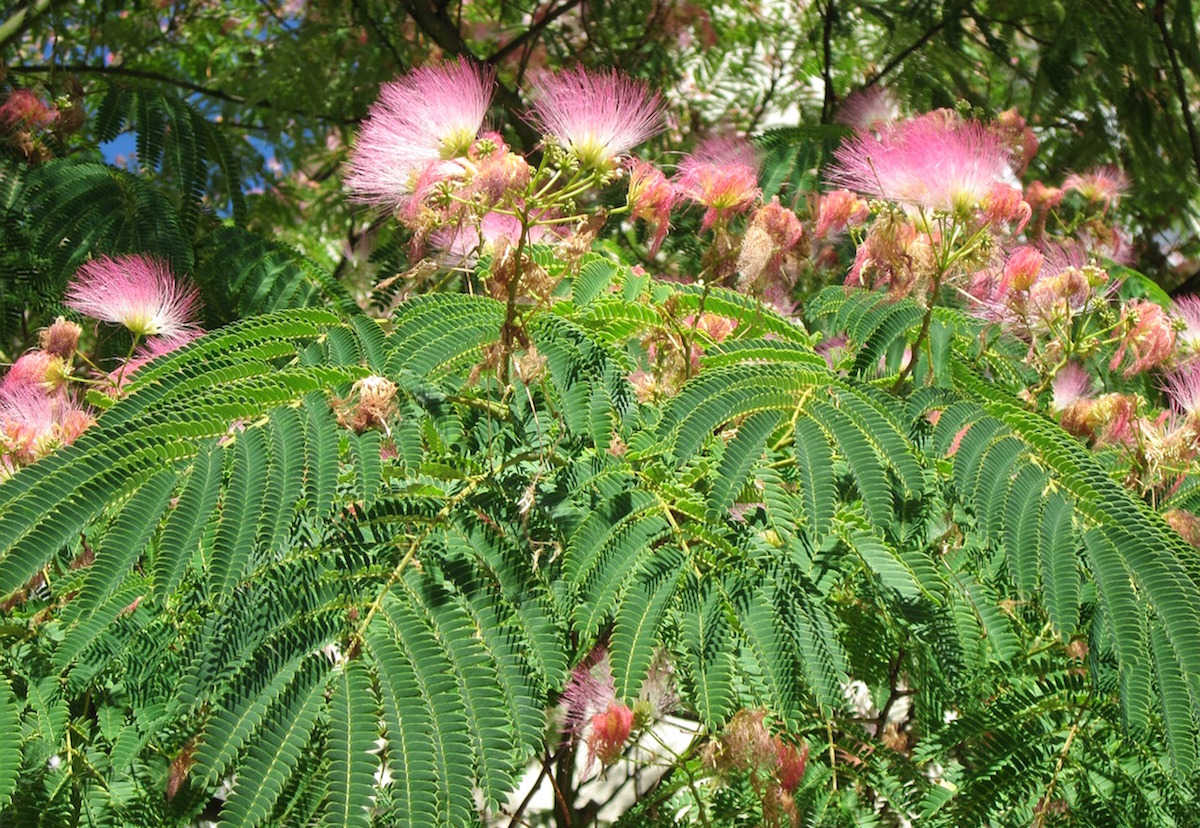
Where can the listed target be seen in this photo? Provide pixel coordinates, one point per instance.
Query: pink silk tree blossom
(138, 292)
(934, 162)
(597, 116)
(722, 175)
(421, 120)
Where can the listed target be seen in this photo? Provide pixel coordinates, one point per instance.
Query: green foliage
(242, 576)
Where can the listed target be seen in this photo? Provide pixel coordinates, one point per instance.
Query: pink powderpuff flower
(1070, 385)
(610, 731)
(462, 245)
(1023, 266)
(838, 210)
(35, 369)
(139, 292)
(722, 175)
(423, 119)
(934, 162)
(597, 116)
(1183, 389)
(61, 338)
(1004, 205)
(1187, 310)
(651, 199)
(33, 423)
(1149, 335)
(868, 108)
(1102, 185)
(24, 109)
(591, 702)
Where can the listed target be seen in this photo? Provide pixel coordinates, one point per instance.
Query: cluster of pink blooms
(39, 406)
(596, 716)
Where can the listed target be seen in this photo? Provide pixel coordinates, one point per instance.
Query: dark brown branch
(532, 32)
(827, 65)
(903, 56)
(1180, 84)
(444, 33)
(180, 83)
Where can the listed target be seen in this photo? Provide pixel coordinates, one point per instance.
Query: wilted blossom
(937, 162)
(420, 122)
(61, 338)
(1102, 185)
(1149, 336)
(138, 292)
(747, 746)
(373, 403)
(25, 109)
(868, 108)
(651, 199)
(838, 210)
(597, 116)
(722, 175)
(894, 255)
(1185, 523)
(773, 232)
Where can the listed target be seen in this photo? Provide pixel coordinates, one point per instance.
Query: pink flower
(597, 116)
(1183, 387)
(1149, 336)
(35, 369)
(1023, 266)
(138, 292)
(722, 175)
(423, 119)
(25, 110)
(1187, 309)
(1103, 185)
(461, 246)
(838, 210)
(1070, 385)
(610, 731)
(651, 199)
(868, 108)
(34, 423)
(936, 162)
(1004, 205)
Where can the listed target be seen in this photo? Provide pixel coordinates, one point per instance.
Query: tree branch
(532, 32)
(900, 58)
(445, 34)
(826, 68)
(143, 74)
(1180, 84)
(22, 19)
